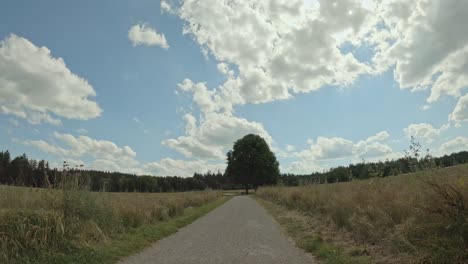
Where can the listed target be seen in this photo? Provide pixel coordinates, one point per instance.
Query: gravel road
(240, 231)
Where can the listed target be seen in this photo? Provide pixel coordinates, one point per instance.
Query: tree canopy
(23, 171)
(251, 163)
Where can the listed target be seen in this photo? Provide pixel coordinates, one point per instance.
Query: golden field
(421, 215)
(35, 222)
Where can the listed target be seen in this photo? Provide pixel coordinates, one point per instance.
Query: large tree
(251, 162)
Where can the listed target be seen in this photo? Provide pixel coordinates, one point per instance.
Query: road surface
(239, 231)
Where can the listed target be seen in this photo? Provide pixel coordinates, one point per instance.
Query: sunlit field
(37, 221)
(423, 215)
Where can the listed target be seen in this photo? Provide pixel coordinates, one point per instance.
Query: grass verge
(413, 218)
(304, 232)
(130, 242)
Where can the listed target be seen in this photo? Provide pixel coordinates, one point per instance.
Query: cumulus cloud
(108, 156)
(424, 131)
(454, 145)
(281, 48)
(40, 88)
(43, 146)
(425, 107)
(460, 113)
(323, 152)
(82, 146)
(302, 167)
(381, 136)
(184, 168)
(207, 100)
(165, 7)
(274, 49)
(143, 34)
(329, 148)
(426, 42)
(290, 148)
(214, 136)
(278, 47)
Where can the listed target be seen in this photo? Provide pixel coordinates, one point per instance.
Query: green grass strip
(132, 241)
(326, 252)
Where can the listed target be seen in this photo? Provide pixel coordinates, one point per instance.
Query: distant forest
(22, 171)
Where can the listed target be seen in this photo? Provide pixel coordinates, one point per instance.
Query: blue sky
(165, 88)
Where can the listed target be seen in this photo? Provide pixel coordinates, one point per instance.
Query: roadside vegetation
(23, 171)
(415, 159)
(420, 217)
(46, 224)
(413, 209)
(26, 172)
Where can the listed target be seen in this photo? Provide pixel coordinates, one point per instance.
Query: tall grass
(37, 222)
(423, 214)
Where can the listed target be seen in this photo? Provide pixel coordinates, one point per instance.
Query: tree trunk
(246, 189)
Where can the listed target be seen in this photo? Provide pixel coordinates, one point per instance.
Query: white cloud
(325, 148)
(184, 168)
(281, 48)
(108, 156)
(460, 113)
(190, 124)
(424, 131)
(145, 35)
(381, 136)
(426, 42)
(425, 107)
(278, 47)
(165, 7)
(454, 145)
(36, 86)
(287, 152)
(302, 167)
(214, 136)
(82, 146)
(326, 152)
(43, 146)
(104, 149)
(332, 148)
(290, 148)
(203, 97)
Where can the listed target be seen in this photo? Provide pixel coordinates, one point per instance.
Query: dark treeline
(22, 171)
(368, 170)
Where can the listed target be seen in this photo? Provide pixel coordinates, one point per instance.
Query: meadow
(37, 223)
(419, 218)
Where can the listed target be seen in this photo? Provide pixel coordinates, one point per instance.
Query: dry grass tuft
(421, 214)
(35, 222)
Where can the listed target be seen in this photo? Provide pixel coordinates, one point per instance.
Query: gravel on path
(239, 231)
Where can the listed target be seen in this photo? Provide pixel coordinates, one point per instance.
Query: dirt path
(240, 231)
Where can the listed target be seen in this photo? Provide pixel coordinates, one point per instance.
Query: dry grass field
(36, 222)
(420, 217)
